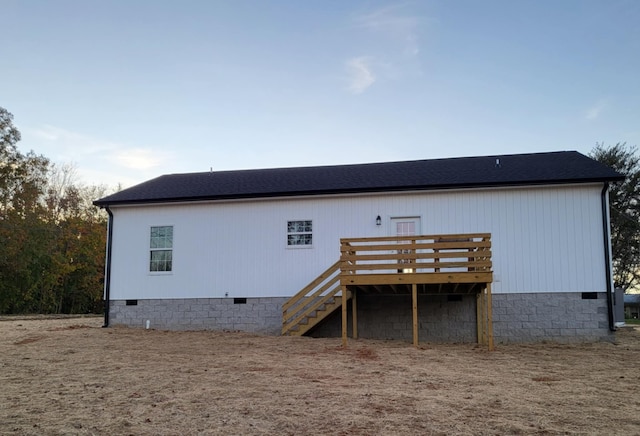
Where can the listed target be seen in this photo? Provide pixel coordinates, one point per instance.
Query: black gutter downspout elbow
(107, 269)
(607, 255)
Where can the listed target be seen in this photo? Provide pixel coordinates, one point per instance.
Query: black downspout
(107, 269)
(607, 255)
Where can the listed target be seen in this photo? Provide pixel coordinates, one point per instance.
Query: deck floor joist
(431, 278)
(422, 289)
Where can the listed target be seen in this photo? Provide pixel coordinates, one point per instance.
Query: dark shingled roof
(507, 170)
(631, 298)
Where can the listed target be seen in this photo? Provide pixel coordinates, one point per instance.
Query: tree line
(52, 239)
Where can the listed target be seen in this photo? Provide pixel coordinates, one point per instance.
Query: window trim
(299, 246)
(151, 250)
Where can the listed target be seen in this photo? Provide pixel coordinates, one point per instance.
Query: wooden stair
(314, 303)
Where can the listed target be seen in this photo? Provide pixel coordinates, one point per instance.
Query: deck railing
(416, 254)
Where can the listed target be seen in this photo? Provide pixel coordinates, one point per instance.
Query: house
(632, 306)
(513, 248)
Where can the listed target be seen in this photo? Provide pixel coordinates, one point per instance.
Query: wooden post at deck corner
(354, 314)
(344, 316)
(480, 317)
(485, 317)
(414, 298)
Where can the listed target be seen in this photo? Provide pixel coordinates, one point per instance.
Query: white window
(161, 246)
(299, 233)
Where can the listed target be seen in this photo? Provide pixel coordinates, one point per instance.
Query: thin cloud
(111, 161)
(393, 41)
(360, 73)
(596, 110)
(139, 158)
(69, 143)
(393, 23)
(48, 133)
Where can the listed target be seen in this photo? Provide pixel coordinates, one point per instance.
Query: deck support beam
(414, 307)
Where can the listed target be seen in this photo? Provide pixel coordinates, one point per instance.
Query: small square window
(299, 233)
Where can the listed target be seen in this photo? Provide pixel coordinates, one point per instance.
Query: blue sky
(129, 90)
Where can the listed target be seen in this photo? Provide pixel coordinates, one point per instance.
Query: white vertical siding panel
(553, 234)
(544, 240)
(576, 242)
(566, 257)
(528, 260)
(592, 219)
(573, 235)
(504, 241)
(597, 257)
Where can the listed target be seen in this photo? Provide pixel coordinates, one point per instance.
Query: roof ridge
(371, 163)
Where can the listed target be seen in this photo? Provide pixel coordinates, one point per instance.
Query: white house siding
(544, 239)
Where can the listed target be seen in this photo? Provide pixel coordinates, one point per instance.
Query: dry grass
(69, 376)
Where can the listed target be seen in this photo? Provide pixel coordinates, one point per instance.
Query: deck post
(414, 298)
(480, 316)
(344, 316)
(489, 318)
(354, 314)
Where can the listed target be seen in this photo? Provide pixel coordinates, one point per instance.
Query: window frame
(152, 249)
(294, 233)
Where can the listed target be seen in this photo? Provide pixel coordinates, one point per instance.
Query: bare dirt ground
(69, 376)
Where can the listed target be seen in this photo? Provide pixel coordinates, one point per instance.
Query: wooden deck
(430, 264)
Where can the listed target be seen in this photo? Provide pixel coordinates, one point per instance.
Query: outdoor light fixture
(378, 220)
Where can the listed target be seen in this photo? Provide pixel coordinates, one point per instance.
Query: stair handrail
(308, 310)
(311, 297)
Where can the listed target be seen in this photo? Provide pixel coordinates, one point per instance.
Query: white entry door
(409, 226)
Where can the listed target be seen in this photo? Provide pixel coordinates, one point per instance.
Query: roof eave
(186, 199)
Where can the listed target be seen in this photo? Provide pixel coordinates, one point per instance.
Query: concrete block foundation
(517, 318)
(257, 315)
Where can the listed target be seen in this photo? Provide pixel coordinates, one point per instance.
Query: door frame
(391, 228)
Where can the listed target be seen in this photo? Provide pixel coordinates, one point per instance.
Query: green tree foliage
(624, 200)
(51, 237)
